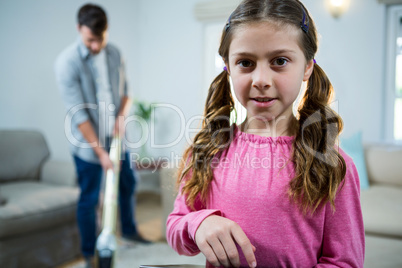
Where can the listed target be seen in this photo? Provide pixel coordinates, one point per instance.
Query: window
(398, 88)
(394, 74)
(214, 65)
(214, 14)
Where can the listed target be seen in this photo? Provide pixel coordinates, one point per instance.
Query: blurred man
(91, 77)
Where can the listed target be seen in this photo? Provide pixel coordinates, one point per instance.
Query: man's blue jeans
(89, 180)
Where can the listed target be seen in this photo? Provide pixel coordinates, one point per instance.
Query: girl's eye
(280, 61)
(245, 63)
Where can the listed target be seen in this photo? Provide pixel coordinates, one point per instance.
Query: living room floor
(149, 216)
(149, 219)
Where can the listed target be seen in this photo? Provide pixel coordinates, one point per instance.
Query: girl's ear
(309, 70)
(227, 68)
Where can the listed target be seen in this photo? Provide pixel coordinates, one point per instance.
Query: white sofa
(37, 216)
(381, 204)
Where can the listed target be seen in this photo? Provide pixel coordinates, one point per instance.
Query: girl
(275, 191)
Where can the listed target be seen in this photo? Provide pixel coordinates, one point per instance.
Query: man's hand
(119, 127)
(217, 237)
(104, 159)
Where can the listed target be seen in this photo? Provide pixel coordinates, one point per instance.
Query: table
(173, 266)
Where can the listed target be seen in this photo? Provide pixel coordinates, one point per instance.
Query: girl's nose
(262, 77)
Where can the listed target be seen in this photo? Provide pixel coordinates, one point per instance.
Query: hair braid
(196, 170)
(319, 166)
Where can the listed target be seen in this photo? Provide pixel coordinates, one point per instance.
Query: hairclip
(225, 69)
(228, 23)
(315, 62)
(305, 23)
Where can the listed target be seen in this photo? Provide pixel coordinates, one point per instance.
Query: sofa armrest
(383, 163)
(59, 173)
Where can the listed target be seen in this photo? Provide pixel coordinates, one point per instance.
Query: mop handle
(111, 187)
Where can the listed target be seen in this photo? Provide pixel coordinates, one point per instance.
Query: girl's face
(267, 68)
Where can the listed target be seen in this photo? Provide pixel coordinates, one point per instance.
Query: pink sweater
(250, 187)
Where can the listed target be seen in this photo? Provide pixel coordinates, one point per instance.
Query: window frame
(394, 17)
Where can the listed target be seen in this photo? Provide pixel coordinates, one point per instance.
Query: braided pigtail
(319, 167)
(214, 136)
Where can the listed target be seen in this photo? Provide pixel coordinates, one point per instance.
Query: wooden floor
(149, 220)
(149, 216)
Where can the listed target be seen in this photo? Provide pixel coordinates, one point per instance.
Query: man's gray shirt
(76, 82)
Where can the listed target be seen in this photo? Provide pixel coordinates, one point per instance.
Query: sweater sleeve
(68, 80)
(183, 223)
(343, 239)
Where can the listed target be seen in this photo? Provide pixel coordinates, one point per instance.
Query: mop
(106, 244)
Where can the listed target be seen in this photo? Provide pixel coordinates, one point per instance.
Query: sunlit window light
(219, 64)
(398, 92)
(240, 113)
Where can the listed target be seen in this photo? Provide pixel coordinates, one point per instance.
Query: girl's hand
(217, 237)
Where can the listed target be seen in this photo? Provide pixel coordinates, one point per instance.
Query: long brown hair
(319, 168)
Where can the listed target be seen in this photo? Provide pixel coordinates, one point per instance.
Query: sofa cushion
(35, 206)
(382, 210)
(382, 252)
(384, 164)
(3, 201)
(21, 155)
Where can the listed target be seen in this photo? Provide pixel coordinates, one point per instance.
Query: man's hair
(94, 17)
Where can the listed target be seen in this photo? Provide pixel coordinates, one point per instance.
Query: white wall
(162, 43)
(352, 54)
(170, 57)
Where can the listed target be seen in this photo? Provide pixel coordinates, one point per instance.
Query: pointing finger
(246, 246)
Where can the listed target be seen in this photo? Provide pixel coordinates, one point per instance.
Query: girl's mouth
(264, 102)
(263, 99)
